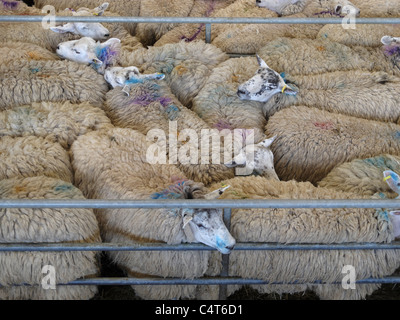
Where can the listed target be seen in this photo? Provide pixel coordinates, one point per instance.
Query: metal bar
(208, 32)
(207, 281)
(196, 20)
(261, 246)
(227, 203)
(223, 289)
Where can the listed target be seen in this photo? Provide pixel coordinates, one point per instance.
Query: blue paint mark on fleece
(63, 187)
(10, 4)
(397, 134)
(174, 191)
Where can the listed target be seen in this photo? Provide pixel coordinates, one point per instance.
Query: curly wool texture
(33, 156)
(378, 8)
(58, 122)
(24, 82)
(118, 169)
(45, 225)
(362, 94)
(311, 142)
(307, 56)
(363, 176)
(186, 65)
(306, 226)
(218, 104)
(11, 51)
(151, 106)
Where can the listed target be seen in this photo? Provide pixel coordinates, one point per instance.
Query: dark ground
(386, 292)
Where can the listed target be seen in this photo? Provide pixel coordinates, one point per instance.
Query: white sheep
(58, 122)
(11, 51)
(119, 168)
(23, 225)
(304, 225)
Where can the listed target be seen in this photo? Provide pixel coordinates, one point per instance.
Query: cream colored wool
(151, 106)
(363, 176)
(306, 226)
(218, 104)
(368, 35)
(119, 7)
(118, 169)
(33, 156)
(311, 142)
(362, 94)
(45, 225)
(24, 82)
(378, 8)
(307, 56)
(11, 51)
(186, 65)
(58, 122)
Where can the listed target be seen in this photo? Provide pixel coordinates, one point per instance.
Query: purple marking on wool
(165, 101)
(329, 12)
(10, 4)
(391, 50)
(147, 98)
(222, 124)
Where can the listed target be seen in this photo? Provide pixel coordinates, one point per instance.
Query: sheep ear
(100, 9)
(68, 27)
(97, 61)
(187, 216)
(216, 193)
(261, 62)
(395, 220)
(387, 40)
(267, 142)
(110, 42)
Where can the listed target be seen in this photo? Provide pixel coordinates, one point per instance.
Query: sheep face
(275, 5)
(119, 77)
(84, 50)
(258, 159)
(343, 7)
(394, 217)
(93, 30)
(208, 227)
(263, 85)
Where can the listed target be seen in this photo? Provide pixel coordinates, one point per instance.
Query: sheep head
(263, 85)
(86, 29)
(257, 159)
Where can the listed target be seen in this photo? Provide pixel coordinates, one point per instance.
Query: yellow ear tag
(386, 178)
(284, 88)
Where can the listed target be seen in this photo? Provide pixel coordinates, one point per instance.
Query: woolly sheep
(307, 56)
(58, 122)
(24, 82)
(11, 51)
(363, 176)
(306, 226)
(368, 95)
(378, 8)
(33, 156)
(43, 226)
(218, 104)
(119, 169)
(119, 7)
(311, 142)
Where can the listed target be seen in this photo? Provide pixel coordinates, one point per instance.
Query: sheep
(33, 156)
(368, 95)
(363, 176)
(11, 51)
(378, 8)
(218, 104)
(24, 82)
(311, 142)
(25, 225)
(55, 121)
(119, 7)
(320, 225)
(307, 56)
(119, 168)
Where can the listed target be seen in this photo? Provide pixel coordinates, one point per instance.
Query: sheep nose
(230, 247)
(240, 92)
(107, 35)
(58, 47)
(258, 1)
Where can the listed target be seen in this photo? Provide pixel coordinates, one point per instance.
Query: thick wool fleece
(186, 65)
(363, 176)
(307, 56)
(11, 51)
(24, 82)
(58, 122)
(33, 156)
(306, 226)
(151, 106)
(45, 225)
(119, 7)
(118, 169)
(378, 8)
(362, 94)
(218, 104)
(311, 142)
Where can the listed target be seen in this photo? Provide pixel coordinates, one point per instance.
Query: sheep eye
(76, 51)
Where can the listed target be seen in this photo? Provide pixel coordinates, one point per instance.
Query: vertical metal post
(225, 257)
(208, 32)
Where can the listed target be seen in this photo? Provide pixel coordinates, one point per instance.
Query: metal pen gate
(227, 205)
